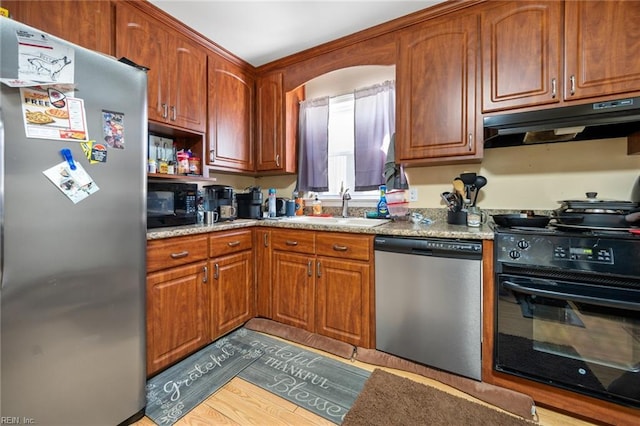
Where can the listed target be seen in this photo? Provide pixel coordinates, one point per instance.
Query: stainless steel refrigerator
(73, 273)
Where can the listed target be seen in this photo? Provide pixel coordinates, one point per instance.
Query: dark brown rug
(387, 399)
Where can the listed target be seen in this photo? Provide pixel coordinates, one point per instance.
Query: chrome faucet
(345, 202)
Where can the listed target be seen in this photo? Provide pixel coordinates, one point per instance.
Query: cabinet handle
(205, 270)
(318, 266)
(277, 160)
(572, 79)
(309, 271)
(233, 243)
(291, 243)
(174, 115)
(165, 111)
(266, 239)
(212, 156)
(340, 248)
(470, 144)
(180, 255)
(553, 88)
(216, 271)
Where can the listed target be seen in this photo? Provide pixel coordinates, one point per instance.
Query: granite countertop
(439, 228)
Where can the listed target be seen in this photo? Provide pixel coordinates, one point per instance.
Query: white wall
(538, 176)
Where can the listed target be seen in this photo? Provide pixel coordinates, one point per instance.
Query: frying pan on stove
(511, 220)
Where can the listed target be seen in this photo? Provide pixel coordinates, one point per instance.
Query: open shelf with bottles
(165, 141)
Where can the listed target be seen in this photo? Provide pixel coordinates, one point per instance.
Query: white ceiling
(262, 31)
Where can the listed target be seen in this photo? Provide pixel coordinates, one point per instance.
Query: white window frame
(359, 198)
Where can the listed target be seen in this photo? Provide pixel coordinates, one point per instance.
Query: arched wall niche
(347, 80)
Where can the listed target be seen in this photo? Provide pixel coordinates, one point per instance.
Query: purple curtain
(375, 123)
(313, 133)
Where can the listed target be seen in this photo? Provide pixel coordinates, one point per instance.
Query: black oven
(568, 311)
(171, 204)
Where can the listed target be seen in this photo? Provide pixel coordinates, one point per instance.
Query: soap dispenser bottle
(317, 207)
(383, 210)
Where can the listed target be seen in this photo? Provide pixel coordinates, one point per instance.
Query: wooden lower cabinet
(177, 294)
(232, 299)
(342, 296)
(322, 282)
(293, 289)
(262, 270)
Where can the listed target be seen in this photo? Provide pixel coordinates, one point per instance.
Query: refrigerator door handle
(1, 201)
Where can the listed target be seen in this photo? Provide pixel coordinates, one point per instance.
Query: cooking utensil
(516, 219)
(468, 178)
(449, 199)
(458, 185)
(480, 182)
(597, 213)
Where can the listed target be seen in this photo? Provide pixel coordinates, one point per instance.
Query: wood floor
(241, 403)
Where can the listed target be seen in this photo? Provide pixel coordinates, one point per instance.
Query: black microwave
(171, 204)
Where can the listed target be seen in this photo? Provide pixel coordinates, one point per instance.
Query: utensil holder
(457, 218)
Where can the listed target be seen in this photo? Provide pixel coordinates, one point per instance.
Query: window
(344, 141)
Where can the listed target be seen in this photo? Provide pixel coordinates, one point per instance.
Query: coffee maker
(250, 203)
(220, 199)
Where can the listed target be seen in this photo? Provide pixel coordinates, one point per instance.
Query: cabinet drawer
(221, 243)
(162, 254)
(343, 245)
(294, 241)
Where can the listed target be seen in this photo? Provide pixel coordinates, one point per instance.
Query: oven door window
(573, 335)
(160, 203)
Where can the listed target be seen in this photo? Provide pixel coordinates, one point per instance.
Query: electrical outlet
(413, 194)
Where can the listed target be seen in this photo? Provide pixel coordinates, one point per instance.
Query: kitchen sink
(337, 221)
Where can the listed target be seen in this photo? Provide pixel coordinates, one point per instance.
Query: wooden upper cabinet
(524, 52)
(436, 85)
(272, 151)
(85, 23)
(177, 67)
(602, 48)
(521, 62)
(231, 114)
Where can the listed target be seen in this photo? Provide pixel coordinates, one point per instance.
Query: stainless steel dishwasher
(429, 302)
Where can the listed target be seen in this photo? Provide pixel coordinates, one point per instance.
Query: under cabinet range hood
(598, 120)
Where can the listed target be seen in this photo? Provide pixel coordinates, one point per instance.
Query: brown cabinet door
(270, 123)
(436, 75)
(176, 80)
(343, 300)
(263, 253)
(232, 292)
(231, 106)
(85, 23)
(140, 39)
(521, 59)
(293, 289)
(602, 52)
(177, 314)
(187, 79)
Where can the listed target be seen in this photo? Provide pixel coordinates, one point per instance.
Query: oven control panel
(584, 254)
(587, 253)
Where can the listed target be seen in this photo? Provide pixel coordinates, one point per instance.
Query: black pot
(596, 213)
(511, 220)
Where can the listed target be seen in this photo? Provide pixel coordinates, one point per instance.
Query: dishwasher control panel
(429, 246)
